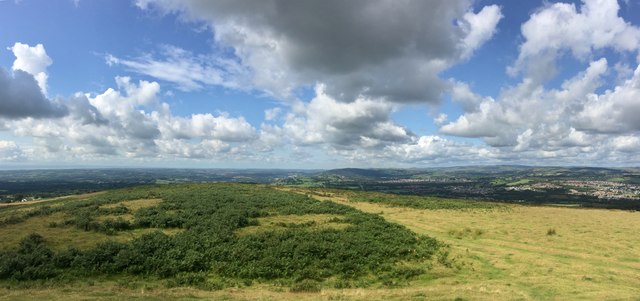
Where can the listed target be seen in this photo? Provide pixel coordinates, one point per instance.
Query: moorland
(305, 241)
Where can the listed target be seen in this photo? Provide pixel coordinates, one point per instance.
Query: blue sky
(310, 84)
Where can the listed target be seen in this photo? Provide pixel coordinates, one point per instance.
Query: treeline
(207, 250)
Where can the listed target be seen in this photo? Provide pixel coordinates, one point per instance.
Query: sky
(318, 84)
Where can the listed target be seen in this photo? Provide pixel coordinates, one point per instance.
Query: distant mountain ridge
(484, 170)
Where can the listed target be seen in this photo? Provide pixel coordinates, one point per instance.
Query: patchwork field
(496, 252)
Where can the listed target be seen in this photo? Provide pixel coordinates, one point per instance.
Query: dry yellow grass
(594, 255)
(134, 205)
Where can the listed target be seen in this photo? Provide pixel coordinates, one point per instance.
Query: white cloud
(206, 126)
(131, 121)
(271, 137)
(488, 120)
(560, 27)
(10, 152)
(627, 144)
(615, 111)
(272, 114)
(441, 119)
(324, 120)
(570, 123)
(205, 149)
(479, 28)
(461, 93)
(113, 102)
(370, 60)
(435, 149)
(33, 60)
(186, 70)
(375, 49)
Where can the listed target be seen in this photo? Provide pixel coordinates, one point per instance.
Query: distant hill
(477, 171)
(370, 174)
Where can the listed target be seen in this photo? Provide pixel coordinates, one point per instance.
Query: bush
(31, 261)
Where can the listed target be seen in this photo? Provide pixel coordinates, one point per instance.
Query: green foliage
(31, 261)
(209, 216)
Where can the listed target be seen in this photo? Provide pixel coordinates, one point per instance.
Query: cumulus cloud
(366, 59)
(201, 150)
(33, 60)
(131, 121)
(561, 27)
(435, 149)
(572, 121)
(376, 49)
(526, 110)
(21, 97)
(615, 111)
(23, 93)
(206, 126)
(478, 28)
(83, 110)
(362, 123)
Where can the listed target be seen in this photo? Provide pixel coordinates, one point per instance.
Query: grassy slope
(592, 256)
(502, 254)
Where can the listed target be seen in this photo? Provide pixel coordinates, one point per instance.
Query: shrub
(31, 261)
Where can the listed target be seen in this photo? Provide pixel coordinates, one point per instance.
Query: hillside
(253, 242)
(208, 236)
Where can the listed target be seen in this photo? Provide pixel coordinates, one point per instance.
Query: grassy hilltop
(253, 242)
(210, 237)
